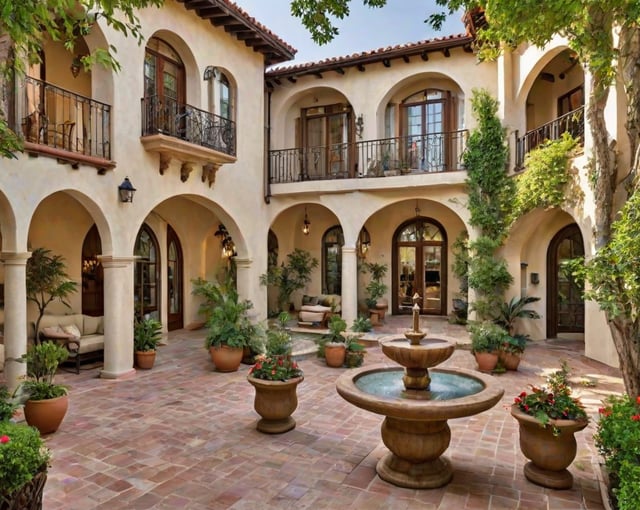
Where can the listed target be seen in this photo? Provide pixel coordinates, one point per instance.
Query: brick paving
(182, 436)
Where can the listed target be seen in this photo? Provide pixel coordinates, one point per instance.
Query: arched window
(146, 285)
(225, 103)
(92, 274)
(420, 266)
(332, 242)
(272, 249)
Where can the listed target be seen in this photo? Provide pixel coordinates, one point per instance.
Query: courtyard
(183, 436)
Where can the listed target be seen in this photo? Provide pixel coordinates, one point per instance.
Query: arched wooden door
(565, 304)
(174, 281)
(420, 265)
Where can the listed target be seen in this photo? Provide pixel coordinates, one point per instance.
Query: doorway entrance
(420, 266)
(174, 281)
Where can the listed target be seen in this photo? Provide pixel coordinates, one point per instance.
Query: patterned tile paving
(182, 436)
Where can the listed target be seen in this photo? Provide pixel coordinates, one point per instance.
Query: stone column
(349, 284)
(15, 315)
(118, 316)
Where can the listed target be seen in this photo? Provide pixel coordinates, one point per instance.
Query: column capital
(244, 263)
(111, 261)
(348, 249)
(15, 258)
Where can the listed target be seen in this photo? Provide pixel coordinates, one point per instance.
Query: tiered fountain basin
(415, 428)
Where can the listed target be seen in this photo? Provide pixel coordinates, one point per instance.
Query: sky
(366, 28)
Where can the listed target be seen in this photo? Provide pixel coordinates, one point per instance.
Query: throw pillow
(72, 330)
(55, 332)
(91, 324)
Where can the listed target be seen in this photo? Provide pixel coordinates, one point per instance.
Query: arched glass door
(332, 243)
(420, 266)
(92, 274)
(174, 281)
(565, 304)
(146, 274)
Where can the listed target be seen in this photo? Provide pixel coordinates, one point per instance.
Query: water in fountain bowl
(444, 386)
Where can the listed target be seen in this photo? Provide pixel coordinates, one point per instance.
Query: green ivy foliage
(546, 176)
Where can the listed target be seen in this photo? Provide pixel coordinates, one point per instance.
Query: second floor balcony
(403, 155)
(59, 123)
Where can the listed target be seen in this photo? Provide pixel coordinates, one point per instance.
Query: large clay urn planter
(29, 496)
(509, 360)
(46, 415)
(335, 353)
(225, 358)
(145, 359)
(549, 455)
(486, 361)
(275, 402)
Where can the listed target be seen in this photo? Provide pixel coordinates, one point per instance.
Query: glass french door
(420, 267)
(174, 281)
(326, 137)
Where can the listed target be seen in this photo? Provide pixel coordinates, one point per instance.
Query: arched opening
(565, 304)
(92, 274)
(146, 276)
(420, 266)
(332, 242)
(174, 281)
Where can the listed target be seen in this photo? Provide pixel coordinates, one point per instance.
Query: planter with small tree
(486, 339)
(332, 345)
(376, 289)
(514, 345)
(146, 335)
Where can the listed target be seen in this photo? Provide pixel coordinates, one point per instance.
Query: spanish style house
(223, 141)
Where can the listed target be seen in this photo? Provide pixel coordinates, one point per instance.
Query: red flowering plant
(552, 401)
(618, 441)
(277, 364)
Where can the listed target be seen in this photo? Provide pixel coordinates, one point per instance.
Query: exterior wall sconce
(126, 190)
(535, 278)
(364, 242)
(209, 73)
(359, 126)
(228, 246)
(306, 225)
(76, 66)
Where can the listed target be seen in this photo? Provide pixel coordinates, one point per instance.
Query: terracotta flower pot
(509, 360)
(549, 455)
(145, 359)
(225, 358)
(335, 353)
(275, 402)
(46, 415)
(486, 361)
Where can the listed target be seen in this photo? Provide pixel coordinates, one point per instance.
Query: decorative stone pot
(225, 358)
(509, 360)
(46, 415)
(549, 455)
(145, 359)
(335, 353)
(486, 361)
(275, 402)
(29, 496)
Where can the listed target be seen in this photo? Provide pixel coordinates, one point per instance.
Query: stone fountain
(417, 403)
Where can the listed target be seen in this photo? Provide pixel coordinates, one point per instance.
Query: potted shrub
(355, 351)
(486, 339)
(509, 313)
(617, 438)
(275, 377)
(511, 351)
(376, 289)
(361, 324)
(548, 417)
(332, 345)
(47, 281)
(46, 402)
(146, 335)
(24, 460)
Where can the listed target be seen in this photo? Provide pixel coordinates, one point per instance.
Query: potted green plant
(376, 289)
(289, 277)
(46, 402)
(275, 377)
(332, 345)
(8, 405)
(548, 416)
(486, 339)
(47, 280)
(355, 351)
(361, 324)
(146, 335)
(24, 460)
(514, 345)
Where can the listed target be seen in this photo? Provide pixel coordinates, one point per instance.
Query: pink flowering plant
(618, 441)
(552, 401)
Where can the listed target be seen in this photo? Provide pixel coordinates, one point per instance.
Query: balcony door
(164, 87)
(420, 266)
(426, 124)
(326, 132)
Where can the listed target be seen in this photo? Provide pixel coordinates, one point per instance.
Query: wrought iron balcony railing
(572, 122)
(54, 117)
(438, 152)
(169, 117)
